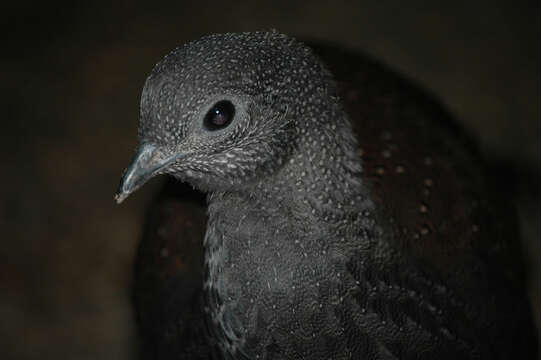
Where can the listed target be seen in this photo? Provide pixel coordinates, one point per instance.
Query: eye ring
(219, 116)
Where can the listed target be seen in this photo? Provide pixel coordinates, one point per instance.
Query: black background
(70, 85)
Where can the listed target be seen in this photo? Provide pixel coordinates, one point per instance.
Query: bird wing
(169, 276)
(443, 212)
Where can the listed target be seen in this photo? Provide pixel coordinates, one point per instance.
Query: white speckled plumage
(303, 258)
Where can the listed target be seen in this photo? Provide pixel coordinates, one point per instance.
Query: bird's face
(220, 112)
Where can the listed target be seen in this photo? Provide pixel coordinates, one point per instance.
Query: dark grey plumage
(307, 254)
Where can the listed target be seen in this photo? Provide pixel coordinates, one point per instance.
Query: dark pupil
(220, 115)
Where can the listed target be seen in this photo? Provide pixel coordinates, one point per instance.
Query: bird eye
(219, 116)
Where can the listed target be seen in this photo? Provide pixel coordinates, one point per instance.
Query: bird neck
(315, 206)
(318, 196)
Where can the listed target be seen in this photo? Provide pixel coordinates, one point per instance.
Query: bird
(319, 206)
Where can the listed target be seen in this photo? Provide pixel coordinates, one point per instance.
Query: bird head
(224, 111)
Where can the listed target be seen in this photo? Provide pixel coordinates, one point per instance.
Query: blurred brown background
(71, 79)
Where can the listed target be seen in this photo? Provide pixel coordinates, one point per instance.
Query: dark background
(70, 84)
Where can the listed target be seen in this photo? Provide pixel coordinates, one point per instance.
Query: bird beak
(146, 163)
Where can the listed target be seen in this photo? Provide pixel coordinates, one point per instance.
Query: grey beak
(146, 163)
